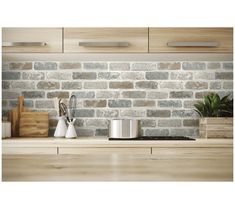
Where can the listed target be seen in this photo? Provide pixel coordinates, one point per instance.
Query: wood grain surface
(114, 168)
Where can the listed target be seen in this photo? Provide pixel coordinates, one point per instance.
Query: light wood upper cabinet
(191, 40)
(106, 40)
(32, 40)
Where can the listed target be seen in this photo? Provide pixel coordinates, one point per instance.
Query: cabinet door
(191, 40)
(104, 151)
(29, 150)
(32, 40)
(106, 40)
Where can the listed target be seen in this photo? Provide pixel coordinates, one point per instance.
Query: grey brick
(228, 66)
(20, 66)
(58, 94)
(10, 95)
(181, 94)
(148, 123)
(215, 85)
(6, 84)
(144, 103)
(181, 75)
(191, 122)
(194, 66)
(121, 85)
(169, 123)
(85, 132)
(146, 85)
(95, 66)
(71, 85)
(107, 94)
(134, 94)
(183, 132)
(224, 75)
(119, 66)
(79, 122)
(44, 104)
(27, 103)
(4, 103)
(5, 66)
(101, 132)
(169, 66)
(10, 75)
(119, 103)
(157, 95)
(53, 123)
(132, 113)
(132, 75)
(159, 113)
(5, 112)
(197, 85)
(190, 103)
(204, 75)
(84, 113)
(23, 85)
(84, 94)
(70, 65)
(84, 75)
(171, 85)
(199, 95)
(33, 76)
(169, 103)
(94, 103)
(228, 85)
(157, 75)
(48, 85)
(45, 66)
(213, 65)
(143, 66)
(59, 75)
(156, 132)
(107, 113)
(183, 113)
(224, 93)
(33, 94)
(95, 85)
(96, 123)
(108, 75)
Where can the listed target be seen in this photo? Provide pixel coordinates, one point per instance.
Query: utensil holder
(61, 128)
(71, 132)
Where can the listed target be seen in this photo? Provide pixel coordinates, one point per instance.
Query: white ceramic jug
(61, 128)
(71, 132)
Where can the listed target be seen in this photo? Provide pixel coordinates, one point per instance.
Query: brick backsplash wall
(161, 94)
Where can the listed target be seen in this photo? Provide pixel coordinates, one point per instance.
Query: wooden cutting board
(34, 124)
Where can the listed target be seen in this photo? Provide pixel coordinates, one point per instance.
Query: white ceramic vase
(61, 128)
(71, 132)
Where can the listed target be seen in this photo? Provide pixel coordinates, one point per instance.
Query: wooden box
(216, 127)
(34, 124)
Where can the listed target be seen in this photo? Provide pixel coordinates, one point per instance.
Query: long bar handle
(103, 43)
(192, 44)
(13, 44)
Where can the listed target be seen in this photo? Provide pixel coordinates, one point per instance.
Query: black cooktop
(156, 138)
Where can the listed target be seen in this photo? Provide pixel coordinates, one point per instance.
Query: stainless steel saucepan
(124, 128)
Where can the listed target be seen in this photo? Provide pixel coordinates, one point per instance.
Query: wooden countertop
(104, 142)
(114, 168)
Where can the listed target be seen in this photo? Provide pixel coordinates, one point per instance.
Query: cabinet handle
(12, 44)
(103, 43)
(192, 44)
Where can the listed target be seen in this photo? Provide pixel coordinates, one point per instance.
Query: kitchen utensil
(61, 128)
(34, 124)
(64, 110)
(71, 132)
(124, 128)
(72, 107)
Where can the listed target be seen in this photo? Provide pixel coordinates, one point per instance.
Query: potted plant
(216, 116)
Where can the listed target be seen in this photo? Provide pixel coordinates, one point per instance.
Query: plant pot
(216, 127)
